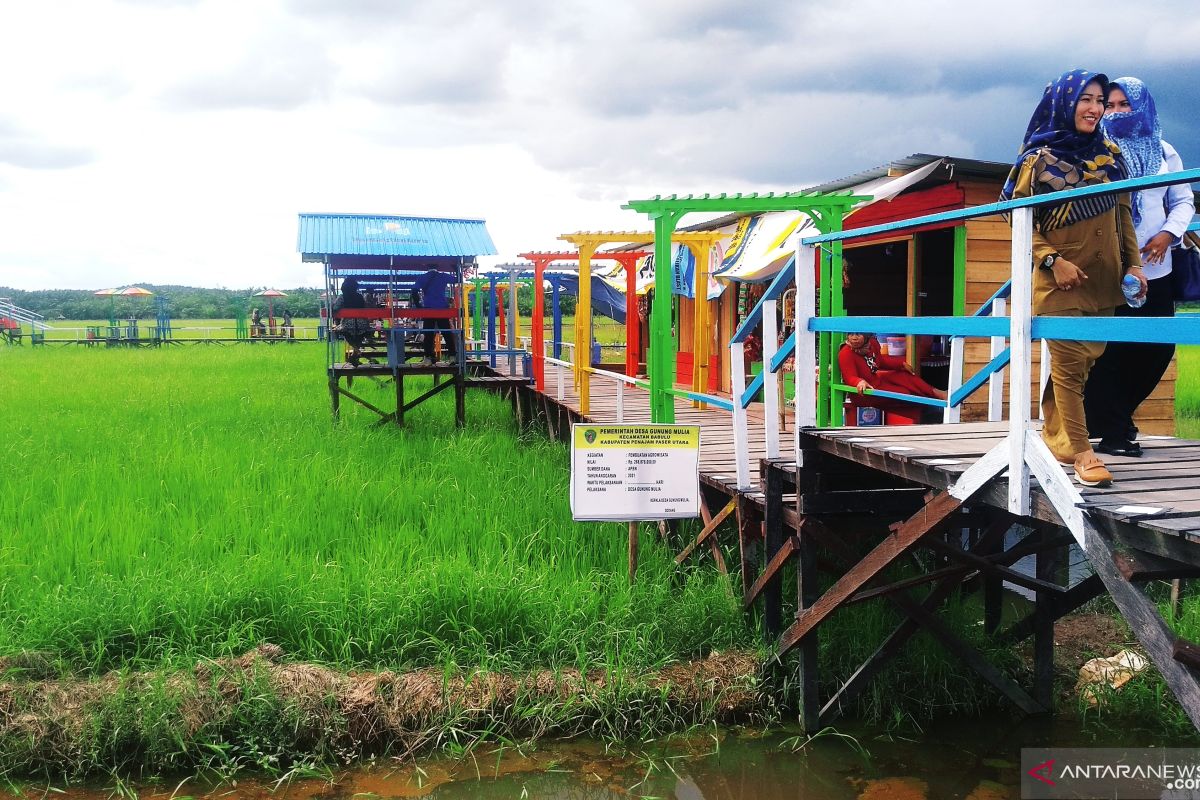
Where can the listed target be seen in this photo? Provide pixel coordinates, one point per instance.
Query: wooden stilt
(773, 518)
(460, 400)
(1043, 629)
(809, 699)
(399, 398)
(1084, 591)
(993, 597)
(749, 539)
(927, 520)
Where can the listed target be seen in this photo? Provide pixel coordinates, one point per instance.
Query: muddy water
(974, 760)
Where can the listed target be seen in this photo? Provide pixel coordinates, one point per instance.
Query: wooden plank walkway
(718, 465)
(861, 504)
(1159, 491)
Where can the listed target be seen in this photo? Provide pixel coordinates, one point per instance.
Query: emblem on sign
(589, 435)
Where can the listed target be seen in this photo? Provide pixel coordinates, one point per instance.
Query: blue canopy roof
(394, 238)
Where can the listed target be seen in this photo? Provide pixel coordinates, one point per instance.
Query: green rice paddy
(164, 505)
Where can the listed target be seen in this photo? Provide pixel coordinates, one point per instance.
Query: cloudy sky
(175, 141)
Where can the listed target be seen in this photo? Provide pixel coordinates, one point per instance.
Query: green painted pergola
(826, 211)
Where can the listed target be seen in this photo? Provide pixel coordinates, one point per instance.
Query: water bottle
(1131, 287)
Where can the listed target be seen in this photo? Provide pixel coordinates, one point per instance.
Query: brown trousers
(1064, 429)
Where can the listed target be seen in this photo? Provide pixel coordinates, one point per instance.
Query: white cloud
(175, 142)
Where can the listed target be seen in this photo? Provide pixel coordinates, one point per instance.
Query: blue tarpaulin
(605, 299)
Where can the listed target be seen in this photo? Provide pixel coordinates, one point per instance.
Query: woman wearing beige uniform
(1081, 248)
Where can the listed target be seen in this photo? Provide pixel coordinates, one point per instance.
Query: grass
(165, 505)
(1187, 392)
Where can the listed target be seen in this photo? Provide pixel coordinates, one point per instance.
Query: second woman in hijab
(1128, 372)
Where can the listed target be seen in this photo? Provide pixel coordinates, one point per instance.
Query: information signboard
(635, 472)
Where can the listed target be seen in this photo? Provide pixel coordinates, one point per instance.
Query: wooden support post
(928, 520)
(773, 518)
(1154, 635)
(1047, 564)
(460, 400)
(749, 539)
(706, 533)
(993, 595)
(401, 403)
(398, 379)
(806, 594)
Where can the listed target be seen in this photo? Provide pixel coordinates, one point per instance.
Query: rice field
(1187, 392)
(163, 505)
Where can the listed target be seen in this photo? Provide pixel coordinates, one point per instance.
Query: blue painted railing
(963, 214)
(982, 324)
(781, 283)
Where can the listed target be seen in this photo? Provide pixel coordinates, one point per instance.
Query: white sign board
(635, 472)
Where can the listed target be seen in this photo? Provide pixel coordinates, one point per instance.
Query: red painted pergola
(541, 260)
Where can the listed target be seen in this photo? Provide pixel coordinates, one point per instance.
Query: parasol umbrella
(270, 294)
(112, 303)
(134, 291)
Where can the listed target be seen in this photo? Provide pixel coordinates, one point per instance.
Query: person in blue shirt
(433, 287)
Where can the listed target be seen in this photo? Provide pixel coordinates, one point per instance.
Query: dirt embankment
(306, 709)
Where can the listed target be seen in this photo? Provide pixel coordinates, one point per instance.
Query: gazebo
(386, 255)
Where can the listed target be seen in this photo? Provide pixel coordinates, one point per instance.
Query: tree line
(183, 302)
(192, 302)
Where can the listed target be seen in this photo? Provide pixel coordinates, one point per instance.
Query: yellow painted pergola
(700, 243)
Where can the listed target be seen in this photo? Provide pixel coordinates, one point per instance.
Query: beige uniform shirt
(1102, 246)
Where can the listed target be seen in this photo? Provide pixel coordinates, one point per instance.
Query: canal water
(975, 759)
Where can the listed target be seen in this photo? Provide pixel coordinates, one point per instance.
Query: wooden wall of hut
(720, 315)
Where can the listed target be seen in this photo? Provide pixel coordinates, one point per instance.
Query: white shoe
(426, 362)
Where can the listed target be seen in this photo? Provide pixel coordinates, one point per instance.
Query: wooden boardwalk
(1159, 491)
(846, 519)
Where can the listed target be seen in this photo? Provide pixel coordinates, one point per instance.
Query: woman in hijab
(1081, 248)
(1128, 372)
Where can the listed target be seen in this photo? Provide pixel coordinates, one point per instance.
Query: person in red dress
(865, 367)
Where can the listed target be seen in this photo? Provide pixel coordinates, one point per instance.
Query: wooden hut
(949, 269)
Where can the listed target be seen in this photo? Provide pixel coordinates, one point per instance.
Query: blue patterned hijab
(1064, 158)
(1137, 132)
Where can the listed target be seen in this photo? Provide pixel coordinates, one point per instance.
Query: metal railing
(31, 318)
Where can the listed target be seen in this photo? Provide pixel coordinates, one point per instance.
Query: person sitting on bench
(864, 367)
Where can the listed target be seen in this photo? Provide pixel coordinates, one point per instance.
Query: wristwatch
(1048, 261)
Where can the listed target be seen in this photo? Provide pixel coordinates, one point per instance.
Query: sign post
(630, 473)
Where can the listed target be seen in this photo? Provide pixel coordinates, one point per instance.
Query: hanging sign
(635, 472)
